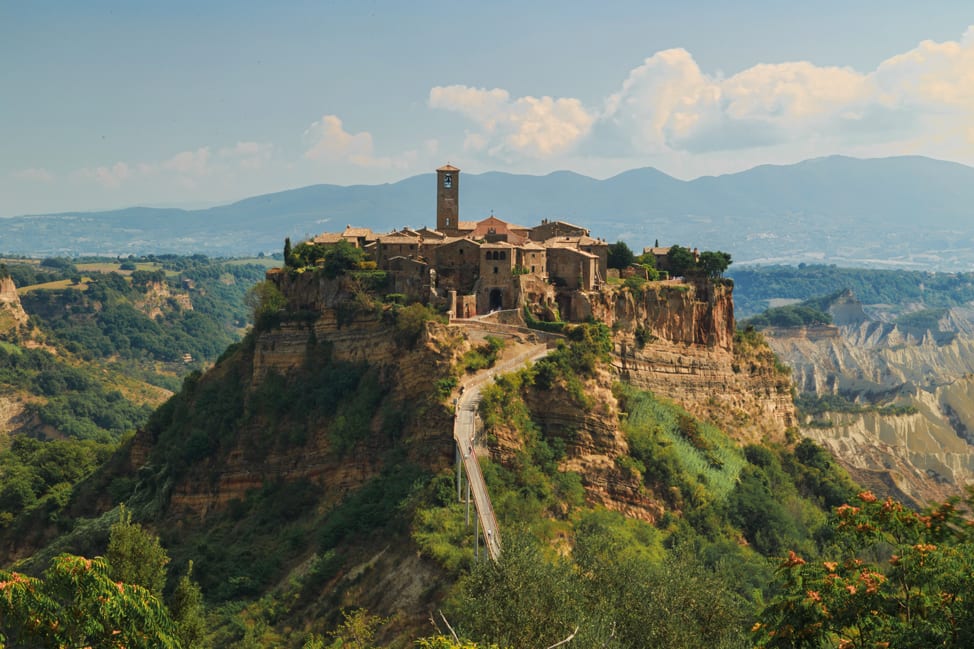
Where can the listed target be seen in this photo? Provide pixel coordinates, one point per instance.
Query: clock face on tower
(448, 181)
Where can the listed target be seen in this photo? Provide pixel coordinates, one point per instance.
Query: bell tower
(447, 199)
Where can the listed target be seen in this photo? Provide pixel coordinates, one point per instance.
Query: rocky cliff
(328, 322)
(920, 451)
(12, 316)
(678, 341)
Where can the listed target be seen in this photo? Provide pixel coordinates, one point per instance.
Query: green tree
(265, 301)
(186, 606)
(135, 556)
(524, 600)
(342, 257)
(896, 578)
(620, 256)
(680, 260)
(77, 604)
(287, 252)
(357, 630)
(714, 263)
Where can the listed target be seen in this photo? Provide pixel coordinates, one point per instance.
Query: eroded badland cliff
(919, 446)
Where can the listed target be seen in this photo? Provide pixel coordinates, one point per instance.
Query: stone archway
(496, 302)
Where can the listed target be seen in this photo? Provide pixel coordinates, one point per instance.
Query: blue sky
(110, 104)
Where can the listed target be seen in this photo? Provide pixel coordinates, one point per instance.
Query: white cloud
(190, 163)
(922, 99)
(34, 174)
(248, 155)
(329, 142)
(536, 127)
(110, 177)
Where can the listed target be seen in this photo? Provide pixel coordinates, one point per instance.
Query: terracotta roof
(576, 251)
(396, 237)
(466, 225)
(357, 232)
(434, 234)
(656, 251)
(328, 237)
(448, 168)
(572, 242)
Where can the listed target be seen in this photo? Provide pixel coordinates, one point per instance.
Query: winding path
(465, 431)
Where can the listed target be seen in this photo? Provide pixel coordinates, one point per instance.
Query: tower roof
(448, 168)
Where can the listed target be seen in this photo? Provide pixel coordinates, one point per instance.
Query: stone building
(481, 266)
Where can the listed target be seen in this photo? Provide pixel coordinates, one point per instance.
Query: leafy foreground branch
(77, 604)
(897, 578)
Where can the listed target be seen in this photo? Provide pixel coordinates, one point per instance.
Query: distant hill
(900, 212)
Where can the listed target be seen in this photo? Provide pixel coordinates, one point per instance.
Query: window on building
(503, 255)
(495, 270)
(532, 269)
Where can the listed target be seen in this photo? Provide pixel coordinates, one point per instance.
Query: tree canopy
(620, 256)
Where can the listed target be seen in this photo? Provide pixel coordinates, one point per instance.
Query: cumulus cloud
(536, 127)
(668, 104)
(329, 142)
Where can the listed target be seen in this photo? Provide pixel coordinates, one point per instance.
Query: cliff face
(325, 329)
(159, 299)
(678, 341)
(12, 316)
(924, 455)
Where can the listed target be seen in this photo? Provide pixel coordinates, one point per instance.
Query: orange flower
(793, 560)
(830, 565)
(851, 589)
(814, 596)
(867, 497)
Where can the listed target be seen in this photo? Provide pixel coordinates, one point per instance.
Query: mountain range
(909, 212)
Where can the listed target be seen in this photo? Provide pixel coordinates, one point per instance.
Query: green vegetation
(483, 356)
(891, 577)
(620, 256)
(108, 320)
(682, 262)
(75, 402)
(817, 405)
(110, 602)
(77, 604)
(556, 327)
(36, 477)
(793, 315)
(756, 285)
(923, 320)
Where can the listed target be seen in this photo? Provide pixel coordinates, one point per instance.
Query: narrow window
(495, 270)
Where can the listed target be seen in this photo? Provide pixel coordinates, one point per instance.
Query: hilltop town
(477, 267)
